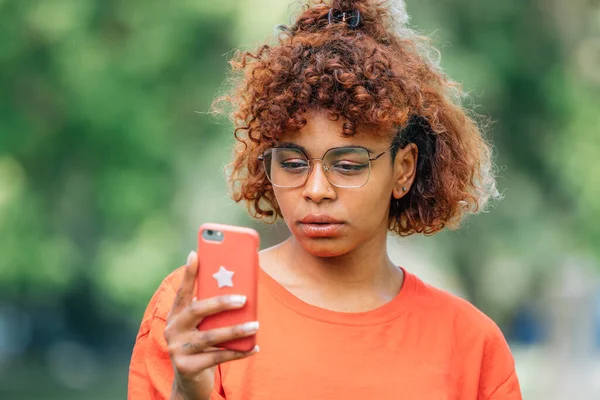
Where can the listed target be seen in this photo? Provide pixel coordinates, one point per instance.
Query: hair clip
(351, 18)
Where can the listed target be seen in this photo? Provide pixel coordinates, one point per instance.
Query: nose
(317, 187)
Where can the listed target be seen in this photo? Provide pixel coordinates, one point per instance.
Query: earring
(403, 189)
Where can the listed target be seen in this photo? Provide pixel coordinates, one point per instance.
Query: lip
(319, 219)
(320, 226)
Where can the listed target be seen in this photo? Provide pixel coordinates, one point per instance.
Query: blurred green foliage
(98, 122)
(107, 167)
(521, 63)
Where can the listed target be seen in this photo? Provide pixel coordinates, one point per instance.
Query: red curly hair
(380, 73)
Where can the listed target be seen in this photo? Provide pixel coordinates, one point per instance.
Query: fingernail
(190, 257)
(249, 327)
(237, 299)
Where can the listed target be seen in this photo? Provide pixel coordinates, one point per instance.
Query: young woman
(348, 130)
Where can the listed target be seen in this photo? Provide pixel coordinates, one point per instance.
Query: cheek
(286, 199)
(368, 207)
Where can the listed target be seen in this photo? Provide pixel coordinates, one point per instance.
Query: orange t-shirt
(425, 344)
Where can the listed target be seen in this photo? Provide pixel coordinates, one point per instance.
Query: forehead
(322, 133)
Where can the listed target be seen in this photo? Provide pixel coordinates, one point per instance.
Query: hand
(192, 351)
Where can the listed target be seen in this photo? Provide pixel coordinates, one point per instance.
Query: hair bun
(348, 17)
(346, 4)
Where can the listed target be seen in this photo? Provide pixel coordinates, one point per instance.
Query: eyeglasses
(344, 167)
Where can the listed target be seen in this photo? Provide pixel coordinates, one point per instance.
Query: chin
(325, 247)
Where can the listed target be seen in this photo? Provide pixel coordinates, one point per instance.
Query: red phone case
(237, 253)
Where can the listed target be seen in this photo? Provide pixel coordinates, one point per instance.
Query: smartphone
(228, 264)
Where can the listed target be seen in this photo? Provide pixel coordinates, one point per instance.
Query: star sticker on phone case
(224, 277)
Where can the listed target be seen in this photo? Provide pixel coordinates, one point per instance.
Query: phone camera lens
(209, 232)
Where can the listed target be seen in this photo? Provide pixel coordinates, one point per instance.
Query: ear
(405, 169)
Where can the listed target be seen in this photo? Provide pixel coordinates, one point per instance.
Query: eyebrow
(290, 145)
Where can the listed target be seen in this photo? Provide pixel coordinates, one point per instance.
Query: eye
(349, 167)
(293, 164)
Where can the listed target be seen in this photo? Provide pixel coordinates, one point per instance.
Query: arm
(151, 372)
(498, 379)
(509, 389)
(171, 358)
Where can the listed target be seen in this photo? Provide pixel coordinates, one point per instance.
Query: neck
(367, 266)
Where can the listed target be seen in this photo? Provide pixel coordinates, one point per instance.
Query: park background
(109, 163)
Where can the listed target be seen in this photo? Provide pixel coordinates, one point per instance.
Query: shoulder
(471, 333)
(455, 312)
(162, 300)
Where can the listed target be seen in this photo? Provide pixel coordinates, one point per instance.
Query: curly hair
(382, 73)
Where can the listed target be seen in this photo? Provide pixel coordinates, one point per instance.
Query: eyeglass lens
(344, 167)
